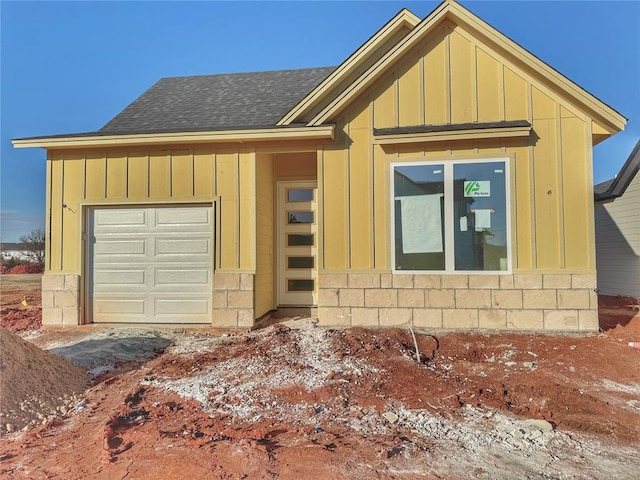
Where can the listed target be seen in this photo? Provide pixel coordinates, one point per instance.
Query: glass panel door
(297, 244)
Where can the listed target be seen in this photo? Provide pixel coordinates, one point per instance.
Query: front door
(297, 244)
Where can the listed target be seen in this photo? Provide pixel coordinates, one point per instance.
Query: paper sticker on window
(483, 219)
(475, 188)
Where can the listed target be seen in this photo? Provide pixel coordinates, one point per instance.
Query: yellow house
(440, 177)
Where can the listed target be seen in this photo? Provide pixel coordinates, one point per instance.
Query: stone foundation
(562, 302)
(60, 299)
(233, 300)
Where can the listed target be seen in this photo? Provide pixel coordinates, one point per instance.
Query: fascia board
(324, 132)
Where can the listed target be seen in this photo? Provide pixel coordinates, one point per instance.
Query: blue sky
(71, 66)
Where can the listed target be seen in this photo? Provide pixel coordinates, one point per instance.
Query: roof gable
(607, 121)
(379, 43)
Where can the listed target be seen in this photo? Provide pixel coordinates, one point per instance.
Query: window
(451, 217)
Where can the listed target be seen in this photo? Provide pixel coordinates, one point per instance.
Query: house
(440, 177)
(617, 214)
(14, 251)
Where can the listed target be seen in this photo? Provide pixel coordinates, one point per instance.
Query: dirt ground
(296, 401)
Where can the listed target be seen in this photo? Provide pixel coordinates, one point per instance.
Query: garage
(150, 264)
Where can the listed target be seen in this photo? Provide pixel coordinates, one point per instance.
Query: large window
(451, 217)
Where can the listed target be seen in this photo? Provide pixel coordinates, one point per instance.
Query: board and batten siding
(130, 177)
(453, 77)
(265, 249)
(618, 243)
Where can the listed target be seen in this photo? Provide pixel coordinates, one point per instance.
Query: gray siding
(618, 243)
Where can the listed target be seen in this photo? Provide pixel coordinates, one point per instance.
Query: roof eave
(320, 132)
(624, 178)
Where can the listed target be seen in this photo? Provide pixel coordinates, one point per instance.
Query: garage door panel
(119, 306)
(119, 217)
(120, 247)
(182, 306)
(151, 264)
(183, 246)
(178, 277)
(186, 216)
(120, 277)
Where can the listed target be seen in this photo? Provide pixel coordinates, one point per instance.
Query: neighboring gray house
(617, 218)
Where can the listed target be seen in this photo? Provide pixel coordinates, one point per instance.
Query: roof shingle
(216, 102)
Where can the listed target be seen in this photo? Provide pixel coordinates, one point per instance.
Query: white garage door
(150, 264)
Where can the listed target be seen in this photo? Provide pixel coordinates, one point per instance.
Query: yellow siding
(360, 191)
(72, 194)
(96, 177)
(247, 210)
(490, 97)
(576, 194)
(227, 188)
(515, 96)
(159, 174)
(265, 251)
(203, 171)
(181, 173)
(335, 209)
(410, 84)
(137, 176)
(462, 78)
(116, 176)
(380, 209)
(522, 199)
(435, 89)
(384, 107)
(546, 190)
(56, 213)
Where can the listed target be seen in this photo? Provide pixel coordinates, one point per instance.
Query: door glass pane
(300, 195)
(297, 240)
(419, 217)
(480, 216)
(298, 285)
(299, 217)
(300, 262)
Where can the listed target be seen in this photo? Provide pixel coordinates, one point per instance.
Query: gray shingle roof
(216, 102)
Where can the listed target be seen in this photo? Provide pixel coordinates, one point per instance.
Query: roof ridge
(208, 75)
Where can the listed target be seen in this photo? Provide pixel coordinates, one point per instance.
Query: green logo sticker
(474, 188)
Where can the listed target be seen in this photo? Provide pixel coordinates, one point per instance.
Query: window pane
(295, 240)
(300, 262)
(419, 217)
(300, 217)
(300, 195)
(480, 216)
(300, 285)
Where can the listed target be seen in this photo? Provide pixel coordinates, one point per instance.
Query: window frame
(449, 223)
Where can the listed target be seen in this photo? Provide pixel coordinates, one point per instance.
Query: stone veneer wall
(60, 299)
(519, 302)
(233, 304)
